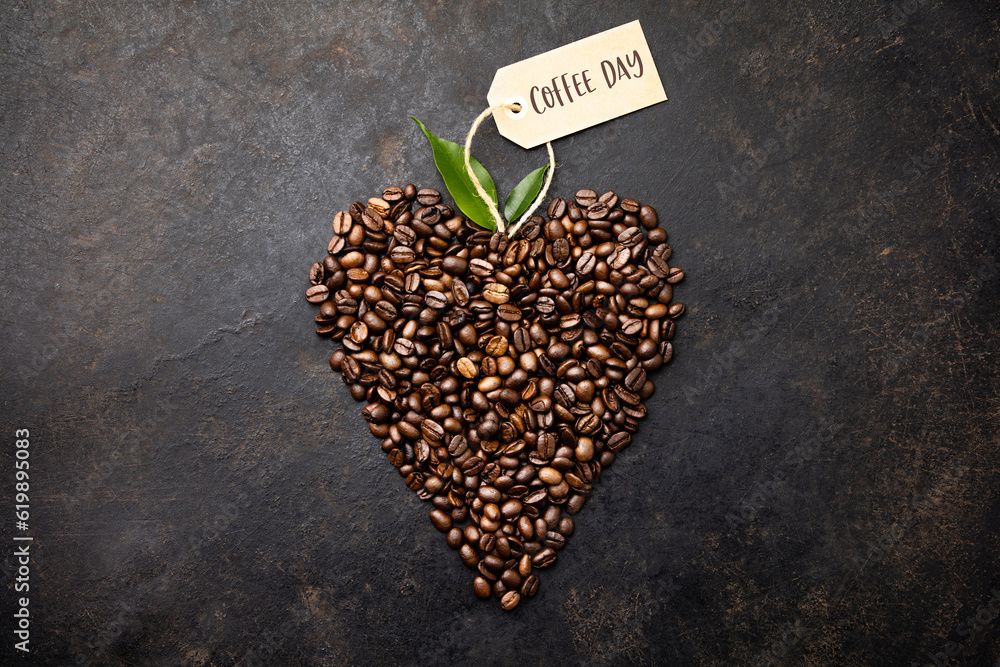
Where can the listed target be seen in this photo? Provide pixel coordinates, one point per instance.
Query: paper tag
(576, 86)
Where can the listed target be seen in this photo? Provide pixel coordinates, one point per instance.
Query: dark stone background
(817, 482)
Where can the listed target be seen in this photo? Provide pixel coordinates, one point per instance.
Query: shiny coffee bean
(585, 197)
(482, 588)
(510, 600)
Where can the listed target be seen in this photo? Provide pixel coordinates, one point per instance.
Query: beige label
(576, 86)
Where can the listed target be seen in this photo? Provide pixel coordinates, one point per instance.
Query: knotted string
(501, 225)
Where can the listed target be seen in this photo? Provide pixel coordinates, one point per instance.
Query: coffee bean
(468, 556)
(431, 430)
(486, 544)
(658, 267)
(557, 208)
(619, 258)
(460, 292)
(425, 218)
(380, 206)
(544, 558)
(510, 600)
(550, 476)
(655, 311)
(441, 520)
(428, 196)
(635, 379)
(385, 310)
(436, 300)
(480, 267)
(585, 197)
(609, 198)
(405, 235)
(372, 221)
(316, 273)
(482, 588)
(336, 244)
(529, 586)
(630, 236)
(496, 293)
(630, 206)
(597, 211)
(619, 441)
(467, 367)
(317, 294)
(508, 312)
(648, 217)
(511, 509)
(392, 194)
(496, 346)
(560, 250)
(554, 540)
(342, 223)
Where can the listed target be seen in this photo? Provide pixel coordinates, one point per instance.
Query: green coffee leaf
(449, 158)
(520, 197)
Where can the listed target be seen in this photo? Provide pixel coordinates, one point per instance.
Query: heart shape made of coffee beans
(502, 374)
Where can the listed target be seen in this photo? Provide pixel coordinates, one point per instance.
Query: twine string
(481, 191)
(541, 195)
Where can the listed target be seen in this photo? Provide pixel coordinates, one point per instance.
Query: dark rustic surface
(816, 483)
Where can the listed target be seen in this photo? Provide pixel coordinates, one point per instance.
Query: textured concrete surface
(816, 483)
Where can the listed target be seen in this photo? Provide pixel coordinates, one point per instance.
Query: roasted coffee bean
(648, 217)
(482, 588)
(585, 197)
(436, 300)
(351, 369)
(496, 293)
(372, 221)
(392, 194)
(467, 367)
(428, 196)
(557, 208)
(404, 235)
(544, 558)
(380, 206)
(508, 312)
(441, 520)
(432, 430)
(658, 267)
(597, 211)
(529, 586)
(342, 223)
(554, 540)
(560, 250)
(468, 556)
(510, 600)
(336, 244)
(425, 218)
(317, 294)
(460, 292)
(496, 346)
(630, 206)
(316, 273)
(609, 198)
